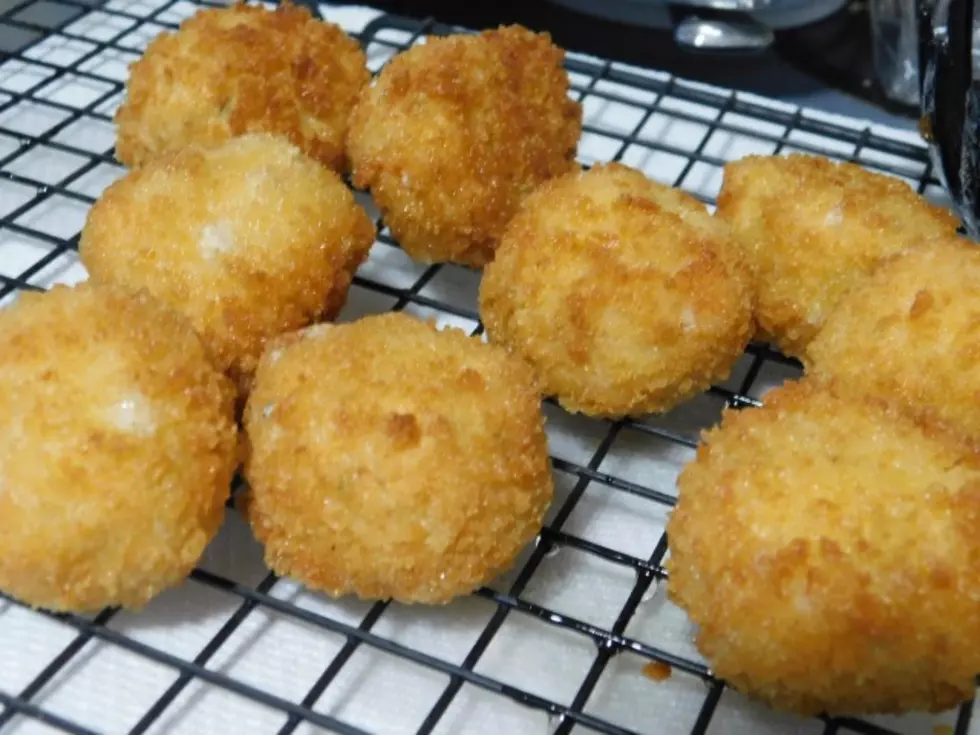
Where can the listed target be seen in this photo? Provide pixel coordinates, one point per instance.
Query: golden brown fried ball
(244, 69)
(249, 239)
(391, 460)
(456, 131)
(117, 448)
(811, 228)
(827, 549)
(626, 296)
(911, 332)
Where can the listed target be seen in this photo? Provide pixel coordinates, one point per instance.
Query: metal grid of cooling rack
(558, 644)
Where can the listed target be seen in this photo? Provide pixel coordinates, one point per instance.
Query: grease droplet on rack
(657, 671)
(650, 593)
(554, 722)
(550, 550)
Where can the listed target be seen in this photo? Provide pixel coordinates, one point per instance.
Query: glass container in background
(895, 46)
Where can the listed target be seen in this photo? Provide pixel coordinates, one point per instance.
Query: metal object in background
(951, 101)
(665, 14)
(700, 34)
(739, 6)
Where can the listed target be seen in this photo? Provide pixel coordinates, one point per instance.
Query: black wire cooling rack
(555, 646)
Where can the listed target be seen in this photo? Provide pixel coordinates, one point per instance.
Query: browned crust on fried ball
(827, 547)
(625, 295)
(811, 228)
(390, 460)
(117, 448)
(911, 333)
(243, 69)
(455, 132)
(248, 238)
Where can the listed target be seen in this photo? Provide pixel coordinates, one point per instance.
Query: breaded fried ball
(249, 239)
(911, 332)
(243, 69)
(625, 295)
(117, 448)
(455, 132)
(811, 228)
(827, 549)
(390, 460)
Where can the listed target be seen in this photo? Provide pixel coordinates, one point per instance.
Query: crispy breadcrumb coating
(811, 228)
(626, 296)
(117, 448)
(391, 460)
(249, 239)
(455, 132)
(911, 333)
(243, 69)
(827, 547)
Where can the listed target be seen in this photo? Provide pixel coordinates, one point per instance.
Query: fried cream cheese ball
(626, 296)
(117, 448)
(827, 549)
(455, 132)
(812, 228)
(390, 460)
(243, 69)
(249, 239)
(911, 332)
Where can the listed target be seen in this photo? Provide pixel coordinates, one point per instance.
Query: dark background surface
(826, 65)
(806, 66)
